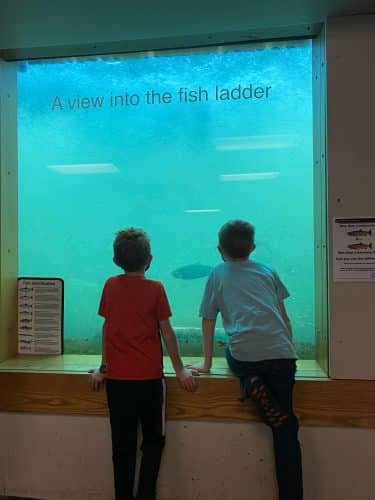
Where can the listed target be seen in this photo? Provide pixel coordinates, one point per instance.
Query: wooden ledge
(346, 403)
(81, 363)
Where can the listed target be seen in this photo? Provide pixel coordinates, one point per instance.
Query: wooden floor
(79, 363)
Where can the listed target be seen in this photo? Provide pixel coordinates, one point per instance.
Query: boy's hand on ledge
(187, 380)
(198, 367)
(97, 379)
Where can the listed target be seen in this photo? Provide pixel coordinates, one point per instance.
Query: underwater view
(176, 143)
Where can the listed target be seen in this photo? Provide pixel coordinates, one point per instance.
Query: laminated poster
(354, 249)
(40, 315)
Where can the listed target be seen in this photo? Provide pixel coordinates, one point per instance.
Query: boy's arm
(208, 331)
(285, 317)
(98, 375)
(184, 375)
(104, 361)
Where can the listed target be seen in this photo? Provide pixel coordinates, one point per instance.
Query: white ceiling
(26, 24)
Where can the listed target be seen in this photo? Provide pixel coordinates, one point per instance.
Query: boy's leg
(152, 417)
(270, 385)
(270, 410)
(280, 379)
(124, 426)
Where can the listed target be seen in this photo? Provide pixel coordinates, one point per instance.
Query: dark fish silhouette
(192, 271)
(360, 246)
(359, 232)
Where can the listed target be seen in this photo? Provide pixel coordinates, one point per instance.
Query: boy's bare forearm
(184, 375)
(208, 331)
(171, 345)
(103, 362)
(98, 376)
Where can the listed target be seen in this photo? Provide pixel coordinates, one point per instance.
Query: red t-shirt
(132, 307)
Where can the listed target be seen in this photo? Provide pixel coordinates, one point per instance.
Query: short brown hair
(131, 249)
(236, 238)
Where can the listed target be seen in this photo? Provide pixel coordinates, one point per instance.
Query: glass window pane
(176, 143)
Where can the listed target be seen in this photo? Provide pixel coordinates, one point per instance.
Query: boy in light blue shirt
(249, 296)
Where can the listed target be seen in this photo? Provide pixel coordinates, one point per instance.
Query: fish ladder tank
(177, 143)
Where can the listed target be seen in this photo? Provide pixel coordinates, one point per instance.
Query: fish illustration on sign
(192, 271)
(360, 246)
(360, 232)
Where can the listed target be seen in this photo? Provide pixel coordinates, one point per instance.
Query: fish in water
(359, 232)
(360, 246)
(192, 271)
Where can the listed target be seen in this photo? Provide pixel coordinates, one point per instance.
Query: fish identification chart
(40, 315)
(353, 249)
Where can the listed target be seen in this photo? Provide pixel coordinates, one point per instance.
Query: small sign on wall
(353, 249)
(40, 315)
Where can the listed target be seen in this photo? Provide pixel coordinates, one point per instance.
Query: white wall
(61, 458)
(351, 182)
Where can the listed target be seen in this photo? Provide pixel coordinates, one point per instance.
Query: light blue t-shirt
(247, 294)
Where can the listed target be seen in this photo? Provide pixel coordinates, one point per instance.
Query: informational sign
(353, 249)
(40, 315)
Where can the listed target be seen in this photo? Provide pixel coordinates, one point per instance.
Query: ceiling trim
(165, 43)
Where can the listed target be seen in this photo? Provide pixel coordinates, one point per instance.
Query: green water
(187, 144)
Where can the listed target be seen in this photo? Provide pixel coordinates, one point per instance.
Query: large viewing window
(175, 142)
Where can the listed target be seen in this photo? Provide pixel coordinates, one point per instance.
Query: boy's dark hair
(236, 238)
(131, 249)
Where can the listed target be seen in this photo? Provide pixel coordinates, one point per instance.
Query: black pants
(270, 385)
(131, 402)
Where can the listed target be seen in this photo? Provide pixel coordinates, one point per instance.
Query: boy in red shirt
(135, 310)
